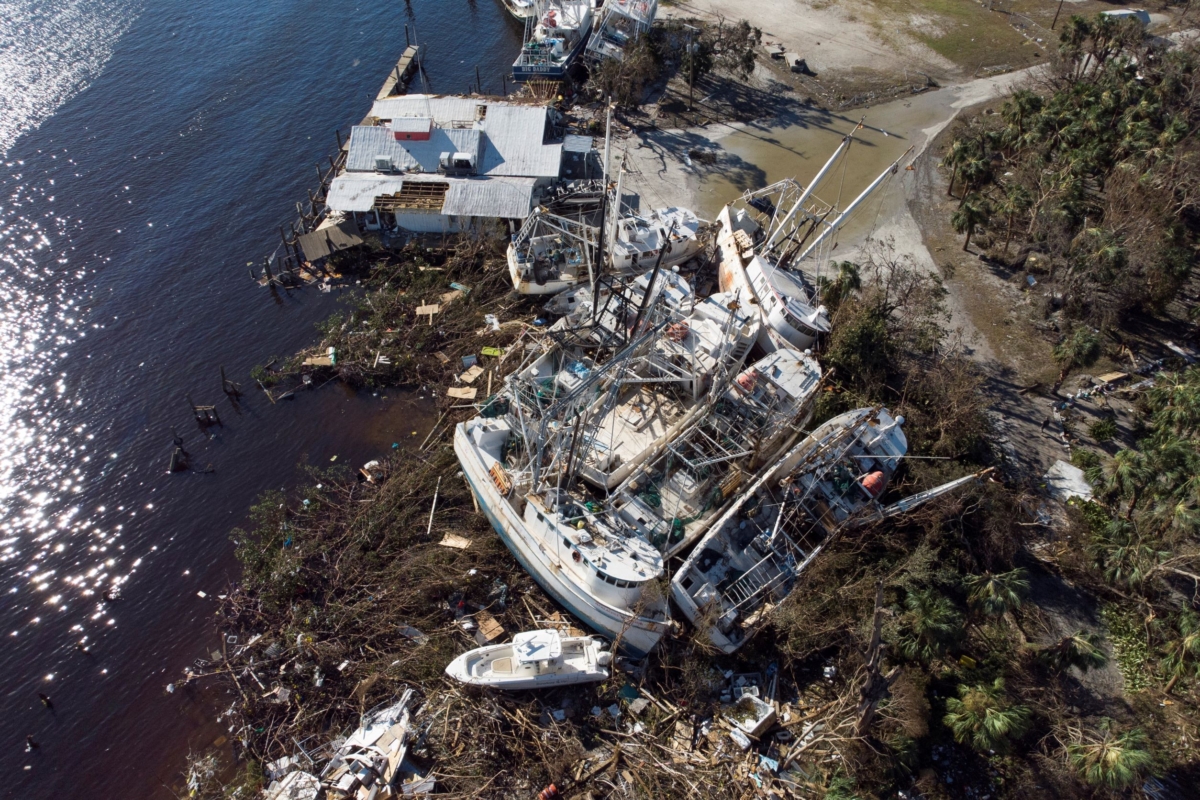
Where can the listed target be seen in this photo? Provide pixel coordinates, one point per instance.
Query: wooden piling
(478, 80)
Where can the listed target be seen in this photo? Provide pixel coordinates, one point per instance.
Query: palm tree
(1081, 651)
(996, 595)
(931, 624)
(1018, 108)
(957, 154)
(836, 291)
(1080, 349)
(1127, 476)
(982, 717)
(1183, 655)
(973, 211)
(1016, 201)
(1126, 556)
(1111, 761)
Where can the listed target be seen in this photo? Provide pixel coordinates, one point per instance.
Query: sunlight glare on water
(49, 543)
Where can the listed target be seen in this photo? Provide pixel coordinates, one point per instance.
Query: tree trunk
(1008, 233)
(953, 178)
(967, 243)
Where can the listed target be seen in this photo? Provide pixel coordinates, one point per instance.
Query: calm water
(148, 150)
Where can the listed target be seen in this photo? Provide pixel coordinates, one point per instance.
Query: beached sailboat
(672, 499)
(620, 23)
(533, 660)
(752, 556)
(763, 239)
(554, 37)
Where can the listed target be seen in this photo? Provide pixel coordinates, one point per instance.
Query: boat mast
(811, 186)
(837, 223)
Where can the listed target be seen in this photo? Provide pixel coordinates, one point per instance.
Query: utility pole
(1056, 13)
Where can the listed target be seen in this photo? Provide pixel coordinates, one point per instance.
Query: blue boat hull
(549, 72)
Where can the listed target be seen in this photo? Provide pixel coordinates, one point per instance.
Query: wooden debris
(462, 394)
(470, 375)
(431, 310)
(455, 541)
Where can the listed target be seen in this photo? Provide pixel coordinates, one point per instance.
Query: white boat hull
(498, 667)
(637, 635)
(526, 286)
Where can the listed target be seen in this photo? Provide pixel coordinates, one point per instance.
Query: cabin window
(620, 584)
(540, 517)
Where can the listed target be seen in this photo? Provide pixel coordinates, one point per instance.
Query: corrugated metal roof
(573, 143)
(368, 141)
(357, 191)
(444, 110)
(513, 133)
(411, 124)
(513, 144)
(502, 198)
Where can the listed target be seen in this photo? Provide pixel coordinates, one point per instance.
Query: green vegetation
(1111, 760)
(983, 717)
(1093, 168)
(1082, 651)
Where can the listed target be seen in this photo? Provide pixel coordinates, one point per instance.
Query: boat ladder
(771, 571)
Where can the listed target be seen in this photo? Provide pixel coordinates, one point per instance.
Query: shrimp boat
(751, 558)
(654, 397)
(554, 36)
(638, 240)
(533, 660)
(621, 23)
(521, 9)
(671, 500)
(366, 765)
(551, 253)
(553, 421)
(764, 237)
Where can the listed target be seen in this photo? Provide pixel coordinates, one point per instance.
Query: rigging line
(878, 207)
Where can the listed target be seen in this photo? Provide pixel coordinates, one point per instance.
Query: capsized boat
(554, 38)
(765, 237)
(672, 500)
(620, 23)
(533, 660)
(751, 558)
(366, 765)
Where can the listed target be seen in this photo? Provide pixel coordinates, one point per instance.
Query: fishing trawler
(764, 238)
(638, 240)
(671, 500)
(753, 555)
(654, 397)
(555, 421)
(554, 37)
(533, 660)
(621, 22)
(521, 9)
(550, 253)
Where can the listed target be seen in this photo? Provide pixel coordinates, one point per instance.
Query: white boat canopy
(532, 646)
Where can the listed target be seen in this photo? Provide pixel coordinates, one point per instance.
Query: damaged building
(433, 164)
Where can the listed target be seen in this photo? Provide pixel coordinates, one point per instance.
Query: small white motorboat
(533, 660)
